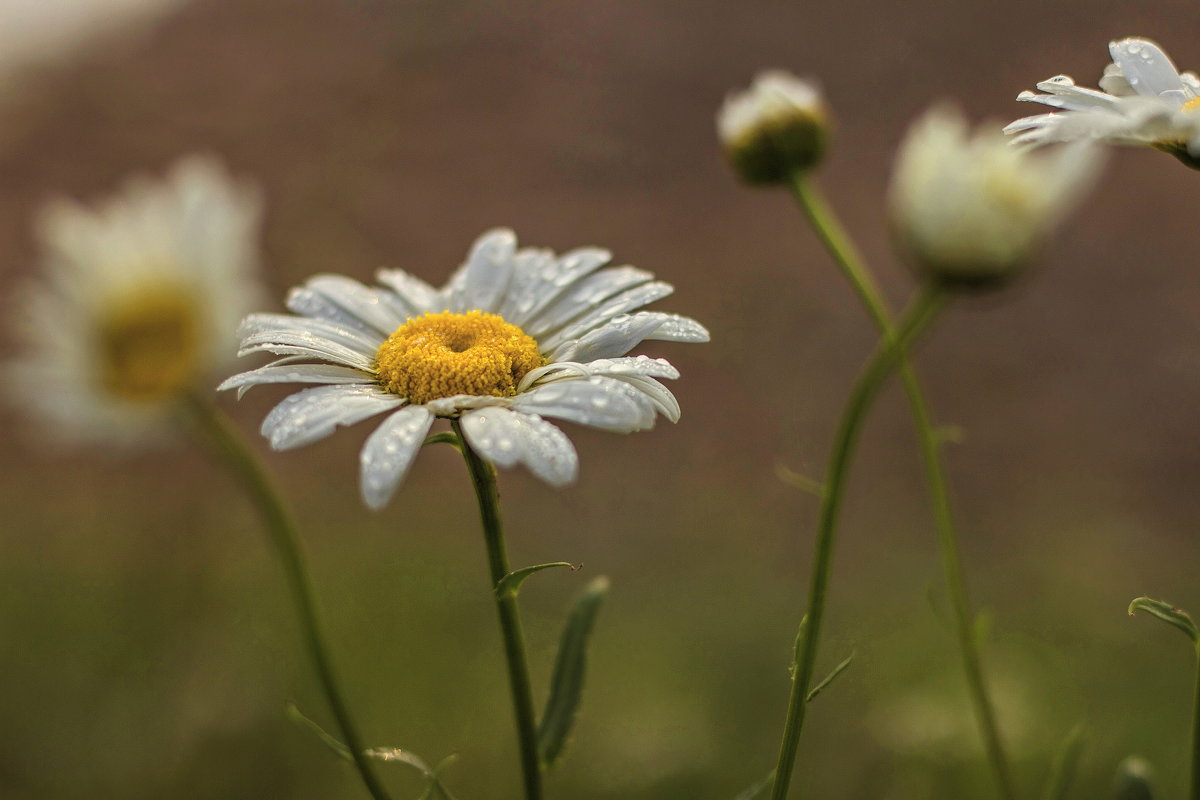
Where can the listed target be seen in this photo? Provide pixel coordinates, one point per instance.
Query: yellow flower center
(1192, 105)
(149, 344)
(440, 355)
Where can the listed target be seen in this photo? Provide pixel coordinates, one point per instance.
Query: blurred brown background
(147, 651)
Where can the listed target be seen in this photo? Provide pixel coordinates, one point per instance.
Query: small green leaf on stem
(759, 790)
(797, 646)
(1066, 762)
(566, 684)
(1169, 614)
(297, 716)
(801, 482)
(838, 670)
(1134, 780)
(511, 582)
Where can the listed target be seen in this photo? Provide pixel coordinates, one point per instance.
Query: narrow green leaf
(297, 716)
(1134, 780)
(820, 687)
(566, 684)
(445, 437)
(1066, 763)
(400, 756)
(760, 790)
(801, 482)
(1169, 614)
(796, 647)
(513, 580)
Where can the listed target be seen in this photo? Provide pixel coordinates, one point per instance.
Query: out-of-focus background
(146, 650)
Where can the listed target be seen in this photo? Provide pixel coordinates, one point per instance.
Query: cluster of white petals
(138, 304)
(971, 209)
(584, 319)
(1143, 100)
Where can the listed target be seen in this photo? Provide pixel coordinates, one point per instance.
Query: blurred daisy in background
(1143, 101)
(138, 305)
(514, 337)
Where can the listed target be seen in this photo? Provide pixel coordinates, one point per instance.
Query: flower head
(514, 337)
(1143, 101)
(970, 211)
(137, 306)
(774, 129)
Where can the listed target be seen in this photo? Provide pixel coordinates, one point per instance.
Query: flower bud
(970, 212)
(774, 129)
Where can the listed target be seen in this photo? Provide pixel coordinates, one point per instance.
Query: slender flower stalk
(249, 473)
(866, 388)
(483, 477)
(853, 266)
(1195, 790)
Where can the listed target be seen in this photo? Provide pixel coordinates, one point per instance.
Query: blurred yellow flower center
(441, 355)
(1192, 105)
(149, 344)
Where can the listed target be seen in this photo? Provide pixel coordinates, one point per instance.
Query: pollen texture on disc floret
(447, 354)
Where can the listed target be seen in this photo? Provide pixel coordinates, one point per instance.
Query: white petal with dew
(615, 338)
(389, 452)
(1146, 67)
(453, 405)
(488, 269)
(612, 367)
(583, 296)
(507, 438)
(597, 402)
(294, 373)
(416, 294)
(379, 309)
(313, 414)
(615, 306)
(262, 328)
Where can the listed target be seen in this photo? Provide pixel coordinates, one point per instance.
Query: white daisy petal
(337, 298)
(488, 269)
(549, 279)
(389, 452)
(507, 438)
(615, 338)
(583, 295)
(662, 398)
(263, 328)
(678, 328)
(313, 414)
(417, 295)
(597, 402)
(612, 367)
(1145, 66)
(294, 373)
(620, 304)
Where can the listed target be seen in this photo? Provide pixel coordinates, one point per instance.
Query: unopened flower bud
(970, 212)
(774, 129)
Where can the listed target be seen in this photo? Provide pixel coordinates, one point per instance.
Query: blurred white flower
(971, 210)
(774, 129)
(515, 336)
(1145, 101)
(139, 303)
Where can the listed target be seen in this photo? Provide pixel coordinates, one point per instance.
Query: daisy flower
(140, 296)
(516, 336)
(968, 208)
(1143, 101)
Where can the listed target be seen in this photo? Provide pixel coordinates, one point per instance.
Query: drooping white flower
(516, 336)
(970, 210)
(1145, 101)
(138, 304)
(774, 129)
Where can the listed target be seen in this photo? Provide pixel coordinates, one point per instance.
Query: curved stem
(841, 247)
(869, 382)
(483, 476)
(252, 476)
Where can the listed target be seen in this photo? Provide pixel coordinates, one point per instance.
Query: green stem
(869, 382)
(483, 476)
(841, 247)
(250, 473)
(1195, 795)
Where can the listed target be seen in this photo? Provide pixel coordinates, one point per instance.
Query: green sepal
(513, 580)
(1169, 614)
(760, 790)
(1066, 763)
(566, 684)
(1134, 780)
